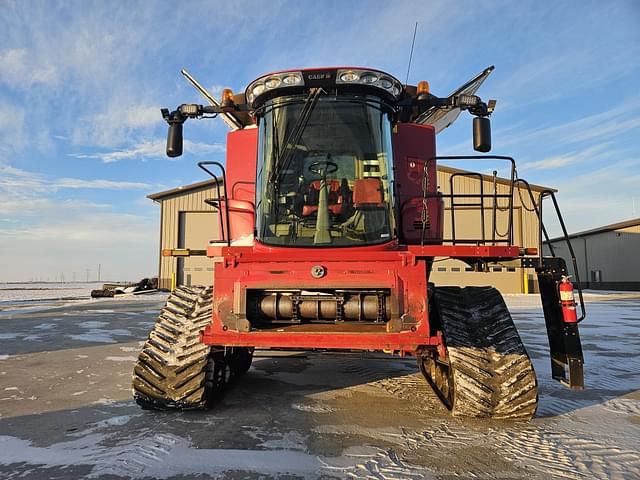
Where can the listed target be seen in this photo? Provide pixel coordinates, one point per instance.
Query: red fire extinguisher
(567, 301)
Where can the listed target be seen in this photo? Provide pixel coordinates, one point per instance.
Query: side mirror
(482, 134)
(174, 139)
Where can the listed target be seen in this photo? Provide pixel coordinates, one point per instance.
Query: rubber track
(171, 368)
(491, 371)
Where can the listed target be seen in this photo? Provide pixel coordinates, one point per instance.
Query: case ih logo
(319, 78)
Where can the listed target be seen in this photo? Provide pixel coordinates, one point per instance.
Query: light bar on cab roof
(327, 78)
(274, 80)
(370, 78)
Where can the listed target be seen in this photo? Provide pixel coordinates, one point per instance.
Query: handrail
(453, 196)
(480, 204)
(550, 193)
(543, 230)
(225, 237)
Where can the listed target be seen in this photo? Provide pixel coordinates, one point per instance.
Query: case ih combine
(331, 219)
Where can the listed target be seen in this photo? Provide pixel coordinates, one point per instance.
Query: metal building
(186, 221)
(607, 257)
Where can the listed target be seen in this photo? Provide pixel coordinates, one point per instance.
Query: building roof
(607, 228)
(500, 180)
(182, 189)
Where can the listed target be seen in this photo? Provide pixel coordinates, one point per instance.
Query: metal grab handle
(226, 236)
(550, 193)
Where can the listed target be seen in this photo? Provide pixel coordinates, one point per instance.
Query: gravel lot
(66, 408)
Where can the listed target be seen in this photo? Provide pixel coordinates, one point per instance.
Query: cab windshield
(324, 175)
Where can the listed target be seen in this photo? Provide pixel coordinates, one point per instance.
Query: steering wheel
(322, 167)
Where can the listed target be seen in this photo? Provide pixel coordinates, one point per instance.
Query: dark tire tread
(489, 372)
(170, 371)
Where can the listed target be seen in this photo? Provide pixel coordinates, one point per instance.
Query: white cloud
(598, 197)
(152, 149)
(18, 206)
(117, 124)
(584, 156)
(45, 235)
(17, 180)
(20, 70)
(125, 245)
(597, 126)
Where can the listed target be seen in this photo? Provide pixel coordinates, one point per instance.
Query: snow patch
(314, 408)
(121, 359)
(130, 349)
(172, 456)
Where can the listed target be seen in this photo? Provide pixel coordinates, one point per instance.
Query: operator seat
(335, 198)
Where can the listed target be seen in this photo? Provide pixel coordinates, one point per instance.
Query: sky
(82, 83)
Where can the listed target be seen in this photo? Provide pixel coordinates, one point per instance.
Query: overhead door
(195, 230)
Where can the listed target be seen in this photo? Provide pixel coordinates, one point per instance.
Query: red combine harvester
(331, 218)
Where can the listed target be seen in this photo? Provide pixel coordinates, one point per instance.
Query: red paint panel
(407, 342)
(413, 147)
(242, 155)
(399, 272)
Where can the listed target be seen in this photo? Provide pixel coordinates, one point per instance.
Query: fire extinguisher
(567, 301)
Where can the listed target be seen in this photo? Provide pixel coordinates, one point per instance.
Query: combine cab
(331, 219)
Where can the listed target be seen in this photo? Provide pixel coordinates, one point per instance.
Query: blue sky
(81, 84)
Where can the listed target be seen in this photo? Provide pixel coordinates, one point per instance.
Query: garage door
(195, 230)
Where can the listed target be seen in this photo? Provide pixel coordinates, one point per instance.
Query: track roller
(174, 370)
(486, 371)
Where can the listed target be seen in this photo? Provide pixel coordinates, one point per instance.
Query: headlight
(292, 80)
(370, 78)
(273, 81)
(385, 83)
(349, 77)
(258, 89)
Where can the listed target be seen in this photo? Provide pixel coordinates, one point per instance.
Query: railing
(457, 200)
(543, 231)
(220, 203)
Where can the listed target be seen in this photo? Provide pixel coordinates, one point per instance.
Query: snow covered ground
(32, 297)
(66, 411)
(21, 293)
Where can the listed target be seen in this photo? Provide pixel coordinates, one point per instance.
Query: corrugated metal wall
(606, 260)
(468, 225)
(171, 207)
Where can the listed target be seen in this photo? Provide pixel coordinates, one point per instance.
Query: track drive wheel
(175, 371)
(487, 371)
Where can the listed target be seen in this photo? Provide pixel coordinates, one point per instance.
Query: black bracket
(564, 338)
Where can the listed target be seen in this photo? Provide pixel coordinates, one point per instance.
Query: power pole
(99, 266)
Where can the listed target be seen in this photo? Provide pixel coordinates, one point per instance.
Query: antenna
(413, 42)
